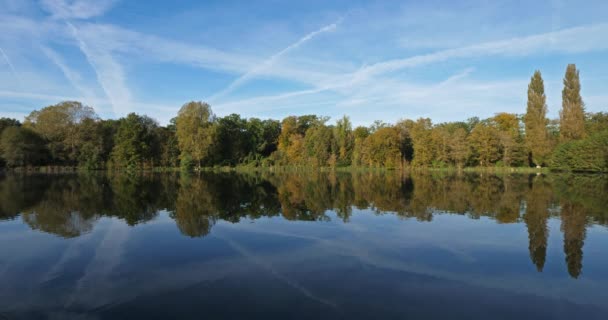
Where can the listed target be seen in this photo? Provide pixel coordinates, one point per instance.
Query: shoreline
(279, 169)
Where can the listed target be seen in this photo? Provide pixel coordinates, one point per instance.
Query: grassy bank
(279, 169)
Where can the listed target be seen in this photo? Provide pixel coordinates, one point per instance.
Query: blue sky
(385, 60)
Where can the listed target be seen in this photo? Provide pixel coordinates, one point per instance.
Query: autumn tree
(485, 143)
(291, 140)
(424, 150)
(537, 137)
(288, 129)
(572, 115)
(511, 140)
(440, 140)
(459, 149)
(382, 148)
(195, 131)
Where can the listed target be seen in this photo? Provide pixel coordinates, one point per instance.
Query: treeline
(71, 134)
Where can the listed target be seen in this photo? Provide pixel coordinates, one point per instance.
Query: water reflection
(70, 205)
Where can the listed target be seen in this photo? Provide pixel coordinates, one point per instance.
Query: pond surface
(303, 246)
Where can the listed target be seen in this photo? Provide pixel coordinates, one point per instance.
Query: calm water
(303, 246)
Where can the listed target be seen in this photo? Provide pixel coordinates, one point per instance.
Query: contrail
(110, 75)
(256, 70)
(73, 77)
(10, 65)
(268, 267)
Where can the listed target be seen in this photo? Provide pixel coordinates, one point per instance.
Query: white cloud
(35, 96)
(455, 98)
(572, 40)
(152, 48)
(110, 74)
(329, 73)
(270, 61)
(370, 85)
(11, 66)
(77, 9)
(73, 77)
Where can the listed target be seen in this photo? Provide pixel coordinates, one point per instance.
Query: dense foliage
(70, 134)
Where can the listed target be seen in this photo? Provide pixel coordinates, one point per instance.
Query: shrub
(589, 154)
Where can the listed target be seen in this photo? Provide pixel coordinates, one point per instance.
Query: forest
(70, 134)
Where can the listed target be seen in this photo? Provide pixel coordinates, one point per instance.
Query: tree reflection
(538, 200)
(195, 211)
(19, 192)
(70, 205)
(574, 220)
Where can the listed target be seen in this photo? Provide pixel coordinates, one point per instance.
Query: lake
(307, 245)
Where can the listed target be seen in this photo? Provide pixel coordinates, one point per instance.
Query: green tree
(263, 136)
(317, 143)
(343, 133)
(407, 149)
(233, 140)
(195, 130)
(360, 134)
(589, 154)
(168, 146)
(196, 207)
(537, 137)
(60, 126)
(572, 115)
(596, 122)
(135, 142)
(6, 123)
(21, 146)
(91, 152)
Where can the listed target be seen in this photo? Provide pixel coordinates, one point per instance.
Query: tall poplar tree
(572, 115)
(537, 136)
